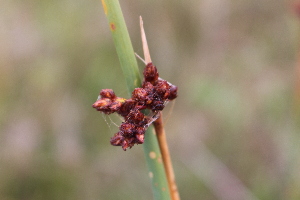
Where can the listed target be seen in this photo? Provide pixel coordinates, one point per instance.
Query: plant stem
(129, 66)
(162, 141)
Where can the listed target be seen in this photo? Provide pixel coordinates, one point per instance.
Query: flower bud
(173, 92)
(128, 143)
(117, 139)
(148, 86)
(162, 88)
(127, 129)
(150, 73)
(108, 93)
(140, 138)
(116, 104)
(140, 130)
(157, 105)
(126, 107)
(139, 94)
(135, 117)
(103, 105)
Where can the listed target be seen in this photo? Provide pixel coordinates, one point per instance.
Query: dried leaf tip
(144, 42)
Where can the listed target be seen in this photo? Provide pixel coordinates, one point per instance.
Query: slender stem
(129, 66)
(162, 141)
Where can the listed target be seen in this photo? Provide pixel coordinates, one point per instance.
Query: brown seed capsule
(150, 73)
(128, 143)
(135, 117)
(139, 94)
(162, 88)
(116, 104)
(140, 138)
(126, 107)
(105, 102)
(103, 105)
(125, 145)
(117, 139)
(173, 92)
(157, 105)
(148, 86)
(140, 130)
(108, 93)
(127, 129)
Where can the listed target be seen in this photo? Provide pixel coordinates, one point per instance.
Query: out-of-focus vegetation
(234, 129)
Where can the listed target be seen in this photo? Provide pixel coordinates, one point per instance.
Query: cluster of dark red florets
(153, 95)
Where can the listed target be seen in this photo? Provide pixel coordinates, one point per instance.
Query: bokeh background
(233, 132)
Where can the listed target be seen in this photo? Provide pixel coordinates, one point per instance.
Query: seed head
(139, 94)
(128, 143)
(103, 105)
(116, 104)
(108, 93)
(140, 130)
(148, 86)
(173, 92)
(127, 129)
(117, 139)
(162, 88)
(153, 95)
(157, 105)
(150, 73)
(126, 107)
(135, 117)
(140, 138)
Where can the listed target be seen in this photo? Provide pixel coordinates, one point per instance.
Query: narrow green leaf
(123, 44)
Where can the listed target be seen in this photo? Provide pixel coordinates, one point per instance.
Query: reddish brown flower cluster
(153, 95)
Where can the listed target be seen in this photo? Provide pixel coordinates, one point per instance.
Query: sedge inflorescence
(153, 95)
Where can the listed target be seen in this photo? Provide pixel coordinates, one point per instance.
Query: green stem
(129, 66)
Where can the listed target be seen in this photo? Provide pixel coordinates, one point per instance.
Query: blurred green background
(233, 132)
